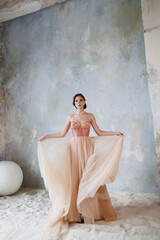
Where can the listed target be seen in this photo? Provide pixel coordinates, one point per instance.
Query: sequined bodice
(80, 129)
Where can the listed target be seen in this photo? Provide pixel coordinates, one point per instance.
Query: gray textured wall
(151, 24)
(93, 47)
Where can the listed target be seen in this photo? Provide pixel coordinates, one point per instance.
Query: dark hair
(81, 95)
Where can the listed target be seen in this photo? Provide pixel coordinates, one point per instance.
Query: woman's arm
(99, 131)
(60, 134)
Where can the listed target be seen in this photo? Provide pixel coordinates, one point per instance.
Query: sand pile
(23, 214)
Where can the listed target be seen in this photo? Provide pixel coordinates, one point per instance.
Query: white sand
(22, 217)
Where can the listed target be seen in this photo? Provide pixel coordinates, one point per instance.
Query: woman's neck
(80, 111)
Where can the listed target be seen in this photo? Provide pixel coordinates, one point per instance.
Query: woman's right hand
(42, 139)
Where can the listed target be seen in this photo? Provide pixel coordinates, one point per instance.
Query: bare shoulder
(70, 117)
(90, 116)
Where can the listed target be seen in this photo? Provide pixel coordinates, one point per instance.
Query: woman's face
(79, 102)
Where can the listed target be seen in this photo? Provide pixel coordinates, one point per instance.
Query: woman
(75, 170)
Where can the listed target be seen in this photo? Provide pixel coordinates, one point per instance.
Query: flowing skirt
(75, 171)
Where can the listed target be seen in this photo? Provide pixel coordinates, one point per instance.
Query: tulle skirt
(75, 171)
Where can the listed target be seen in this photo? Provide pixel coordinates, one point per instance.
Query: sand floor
(22, 217)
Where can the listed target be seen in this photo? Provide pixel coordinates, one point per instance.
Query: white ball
(11, 177)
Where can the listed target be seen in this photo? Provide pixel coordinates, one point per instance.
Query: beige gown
(75, 171)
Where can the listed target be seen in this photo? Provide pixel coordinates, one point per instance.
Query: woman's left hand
(119, 133)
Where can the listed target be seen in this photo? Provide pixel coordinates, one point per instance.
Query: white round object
(11, 177)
